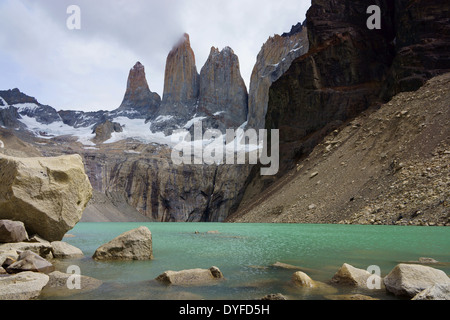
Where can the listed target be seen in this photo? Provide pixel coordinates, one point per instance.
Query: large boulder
(47, 194)
(191, 277)
(135, 244)
(12, 231)
(409, 280)
(22, 286)
(349, 275)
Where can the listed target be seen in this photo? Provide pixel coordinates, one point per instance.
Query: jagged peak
(138, 66)
(294, 30)
(183, 41)
(216, 51)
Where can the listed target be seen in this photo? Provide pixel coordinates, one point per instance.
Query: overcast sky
(87, 69)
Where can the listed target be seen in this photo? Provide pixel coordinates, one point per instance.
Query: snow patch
(25, 107)
(58, 128)
(132, 152)
(163, 118)
(192, 121)
(137, 129)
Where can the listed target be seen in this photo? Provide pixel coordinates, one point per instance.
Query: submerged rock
(47, 194)
(274, 296)
(409, 280)
(135, 244)
(22, 286)
(58, 284)
(303, 280)
(356, 296)
(191, 277)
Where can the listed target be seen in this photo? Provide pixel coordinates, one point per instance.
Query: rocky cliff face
(387, 166)
(17, 104)
(349, 69)
(217, 95)
(138, 98)
(146, 179)
(222, 90)
(341, 75)
(181, 81)
(273, 60)
(422, 37)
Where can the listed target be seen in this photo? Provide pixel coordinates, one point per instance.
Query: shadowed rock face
(274, 58)
(349, 68)
(422, 40)
(341, 75)
(181, 81)
(222, 90)
(162, 191)
(138, 97)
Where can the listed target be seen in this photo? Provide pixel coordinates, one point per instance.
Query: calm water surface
(244, 254)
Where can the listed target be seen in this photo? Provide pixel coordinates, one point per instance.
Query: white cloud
(87, 69)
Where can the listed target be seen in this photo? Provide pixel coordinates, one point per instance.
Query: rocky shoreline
(28, 270)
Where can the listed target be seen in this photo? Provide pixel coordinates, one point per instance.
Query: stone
(3, 271)
(63, 250)
(409, 280)
(349, 275)
(274, 296)
(283, 265)
(58, 284)
(355, 296)
(135, 244)
(37, 239)
(47, 194)
(23, 286)
(44, 249)
(8, 254)
(425, 260)
(191, 277)
(8, 261)
(436, 292)
(12, 231)
(303, 280)
(314, 174)
(30, 261)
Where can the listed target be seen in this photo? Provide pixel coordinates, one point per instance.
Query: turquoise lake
(245, 252)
